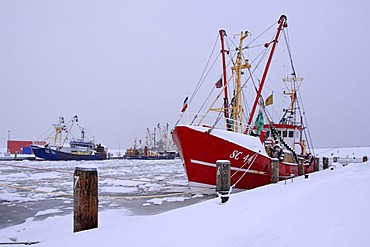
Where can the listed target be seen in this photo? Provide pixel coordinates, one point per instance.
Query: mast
(83, 134)
(236, 110)
(58, 131)
(154, 139)
(74, 120)
(282, 24)
(226, 99)
(292, 92)
(148, 139)
(166, 138)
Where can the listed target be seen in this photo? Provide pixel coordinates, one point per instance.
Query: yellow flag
(269, 100)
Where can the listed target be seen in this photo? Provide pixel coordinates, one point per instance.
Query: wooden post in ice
(274, 170)
(300, 167)
(85, 188)
(325, 163)
(316, 164)
(223, 179)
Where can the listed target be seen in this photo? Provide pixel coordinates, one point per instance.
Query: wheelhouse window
(291, 134)
(285, 133)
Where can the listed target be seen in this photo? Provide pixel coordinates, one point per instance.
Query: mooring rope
(245, 172)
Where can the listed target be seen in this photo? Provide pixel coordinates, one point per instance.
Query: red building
(21, 147)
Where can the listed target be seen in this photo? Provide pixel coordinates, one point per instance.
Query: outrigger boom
(282, 24)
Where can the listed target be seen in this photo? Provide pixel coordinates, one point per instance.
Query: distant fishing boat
(157, 146)
(78, 149)
(220, 132)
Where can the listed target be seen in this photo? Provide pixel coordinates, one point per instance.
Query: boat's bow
(201, 147)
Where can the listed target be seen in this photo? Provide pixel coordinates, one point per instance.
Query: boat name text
(238, 154)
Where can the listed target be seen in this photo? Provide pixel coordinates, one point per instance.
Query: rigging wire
(260, 56)
(258, 60)
(231, 54)
(235, 50)
(211, 92)
(299, 103)
(285, 33)
(307, 130)
(45, 133)
(248, 45)
(203, 76)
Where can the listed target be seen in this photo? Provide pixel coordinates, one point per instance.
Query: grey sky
(124, 66)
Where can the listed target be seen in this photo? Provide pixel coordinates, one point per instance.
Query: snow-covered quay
(330, 208)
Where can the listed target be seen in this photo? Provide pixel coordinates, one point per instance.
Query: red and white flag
(185, 105)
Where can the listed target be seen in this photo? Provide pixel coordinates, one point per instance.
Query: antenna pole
(224, 79)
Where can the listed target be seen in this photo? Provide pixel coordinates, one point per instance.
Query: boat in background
(220, 132)
(157, 146)
(78, 149)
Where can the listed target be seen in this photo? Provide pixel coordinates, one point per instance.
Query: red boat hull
(249, 162)
(250, 165)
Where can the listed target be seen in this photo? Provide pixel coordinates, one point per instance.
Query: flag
(269, 100)
(259, 123)
(185, 105)
(219, 83)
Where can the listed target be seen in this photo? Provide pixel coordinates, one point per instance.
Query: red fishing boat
(246, 135)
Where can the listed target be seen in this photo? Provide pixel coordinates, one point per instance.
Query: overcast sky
(124, 66)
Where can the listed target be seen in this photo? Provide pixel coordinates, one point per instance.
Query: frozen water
(28, 186)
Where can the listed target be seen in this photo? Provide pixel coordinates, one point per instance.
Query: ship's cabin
(82, 146)
(288, 137)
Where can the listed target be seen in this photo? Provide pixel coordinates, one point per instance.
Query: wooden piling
(325, 163)
(316, 164)
(300, 166)
(223, 179)
(85, 198)
(274, 170)
(364, 159)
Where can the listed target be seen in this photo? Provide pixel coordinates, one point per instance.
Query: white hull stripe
(231, 168)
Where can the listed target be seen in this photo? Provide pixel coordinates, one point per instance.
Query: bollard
(325, 163)
(364, 159)
(300, 166)
(223, 179)
(316, 164)
(85, 184)
(274, 170)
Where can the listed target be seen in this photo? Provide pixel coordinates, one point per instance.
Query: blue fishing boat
(78, 149)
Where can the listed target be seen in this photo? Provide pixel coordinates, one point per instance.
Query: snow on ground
(47, 211)
(330, 208)
(343, 152)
